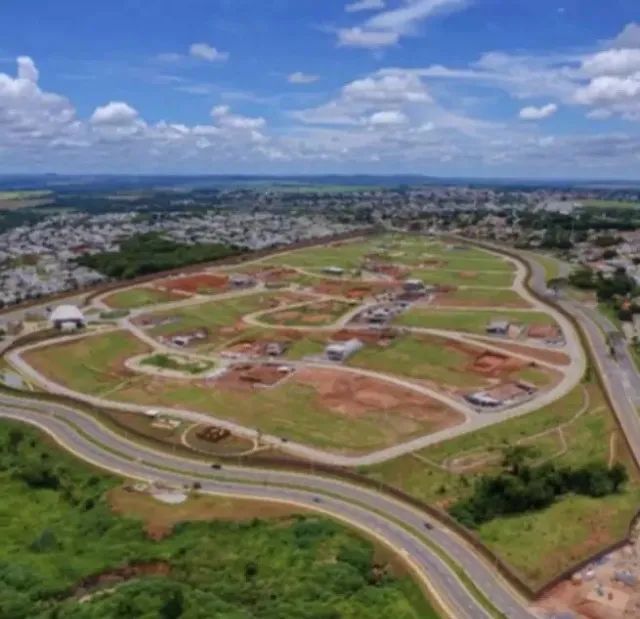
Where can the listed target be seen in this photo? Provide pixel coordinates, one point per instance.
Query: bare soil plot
(198, 283)
(550, 356)
(318, 313)
(354, 289)
(250, 376)
(353, 396)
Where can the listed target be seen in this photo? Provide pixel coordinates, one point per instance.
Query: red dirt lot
(380, 337)
(249, 376)
(197, 283)
(388, 268)
(354, 395)
(353, 289)
(495, 365)
(550, 356)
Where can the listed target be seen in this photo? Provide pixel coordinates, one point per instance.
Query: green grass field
(472, 321)
(348, 255)
(212, 315)
(216, 557)
(540, 544)
(140, 297)
(472, 278)
(91, 364)
(422, 358)
(481, 297)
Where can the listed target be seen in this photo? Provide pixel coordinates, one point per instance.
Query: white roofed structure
(66, 317)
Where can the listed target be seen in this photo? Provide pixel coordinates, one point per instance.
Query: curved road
(375, 513)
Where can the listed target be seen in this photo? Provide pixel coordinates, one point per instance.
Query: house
(67, 318)
(275, 349)
(498, 327)
(333, 271)
(341, 351)
(413, 285)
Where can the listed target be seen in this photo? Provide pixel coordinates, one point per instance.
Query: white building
(341, 351)
(67, 318)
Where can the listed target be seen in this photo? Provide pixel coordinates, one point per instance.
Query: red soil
(199, 282)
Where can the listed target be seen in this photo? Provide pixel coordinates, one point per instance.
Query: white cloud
(386, 27)
(404, 19)
(368, 39)
(387, 117)
(223, 116)
(302, 78)
(364, 5)
(391, 88)
(613, 62)
(27, 69)
(538, 113)
(629, 38)
(204, 51)
(114, 113)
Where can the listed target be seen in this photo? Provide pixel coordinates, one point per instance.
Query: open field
(71, 532)
(468, 320)
(12, 200)
(133, 298)
(220, 319)
(347, 255)
(323, 407)
(314, 314)
(445, 363)
(479, 297)
(93, 364)
(538, 544)
(473, 277)
(197, 283)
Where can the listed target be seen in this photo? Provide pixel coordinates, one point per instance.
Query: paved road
(371, 511)
(619, 372)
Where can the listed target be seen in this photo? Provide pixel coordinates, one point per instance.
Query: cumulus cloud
(223, 117)
(204, 51)
(387, 117)
(114, 113)
(613, 62)
(302, 78)
(27, 69)
(538, 113)
(629, 38)
(364, 5)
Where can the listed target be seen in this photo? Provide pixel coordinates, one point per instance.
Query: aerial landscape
(320, 310)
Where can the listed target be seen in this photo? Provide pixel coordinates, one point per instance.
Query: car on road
(216, 466)
(428, 526)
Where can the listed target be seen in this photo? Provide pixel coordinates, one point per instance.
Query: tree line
(145, 254)
(522, 488)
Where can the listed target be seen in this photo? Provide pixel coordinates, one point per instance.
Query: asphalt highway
(373, 512)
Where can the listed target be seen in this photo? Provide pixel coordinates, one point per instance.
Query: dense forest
(58, 531)
(521, 488)
(151, 253)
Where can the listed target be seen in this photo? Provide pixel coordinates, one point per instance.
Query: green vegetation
(178, 363)
(472, 278)
(521, 488)
(572, 432)
(114, 315)
(551, 266)
(482, 297)
(420, 357)
(59, 533)
(139, 297)
(211, 315)
(93, 364)
(347, 255)
(468, 320)
(151, 253)
(314, 314)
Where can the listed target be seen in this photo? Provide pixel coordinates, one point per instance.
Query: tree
(514, 457)
(618, 475)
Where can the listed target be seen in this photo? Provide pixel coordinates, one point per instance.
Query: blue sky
(544, 88)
